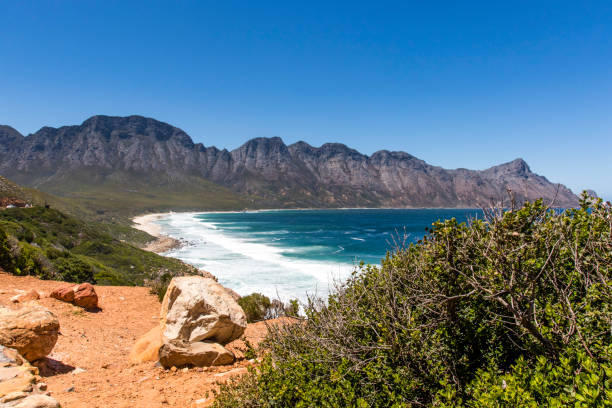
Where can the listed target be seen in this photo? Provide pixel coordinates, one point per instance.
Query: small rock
(78, 370)
(65, 294)
(26, 296)
(70, 389)
(85, 296)
(42, 386)
(38, 401)
(173, 369)
(13, 396)
(186, 370)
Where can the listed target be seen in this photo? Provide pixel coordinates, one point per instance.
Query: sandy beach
(162, 243)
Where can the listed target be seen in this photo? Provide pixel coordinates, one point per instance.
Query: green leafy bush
(255, 306)
(72, 269)
(513, 310)
(258, 307)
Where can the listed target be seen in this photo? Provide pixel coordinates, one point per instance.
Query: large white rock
(196, 308)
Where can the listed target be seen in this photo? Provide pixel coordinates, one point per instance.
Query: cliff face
(332, 175)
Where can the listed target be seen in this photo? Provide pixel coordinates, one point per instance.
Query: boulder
(83, 295)
(31, 330)
(199, 354)
(147, 347)
(26, 296)
(196, 308)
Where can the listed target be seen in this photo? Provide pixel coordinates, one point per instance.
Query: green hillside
(117, 196)
(48, 244)
(118, 226)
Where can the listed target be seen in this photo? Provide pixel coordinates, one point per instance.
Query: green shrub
(74, 270)
(255, 306)
(160, 286)
(258, 307)
(513, 310)
(6, 257)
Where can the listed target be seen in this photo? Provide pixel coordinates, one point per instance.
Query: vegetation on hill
(511, 311)
(115, 225)
(115, 197)
(48, 244)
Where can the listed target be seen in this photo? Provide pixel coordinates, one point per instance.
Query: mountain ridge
(263, 172)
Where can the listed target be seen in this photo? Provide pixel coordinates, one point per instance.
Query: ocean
(295, 253)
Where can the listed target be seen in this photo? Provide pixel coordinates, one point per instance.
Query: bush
(74, 270)
(258, 307)
(514, 310)
(160, 286)
(6, 257)
(255, 306)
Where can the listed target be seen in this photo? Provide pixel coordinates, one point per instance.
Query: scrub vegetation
(259, 307)
(49, 244)
(512, 310)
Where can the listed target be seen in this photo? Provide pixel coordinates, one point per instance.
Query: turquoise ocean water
(289, 253)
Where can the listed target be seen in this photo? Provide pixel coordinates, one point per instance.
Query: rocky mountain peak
(9, 134)
(331, 175)
(517, 167)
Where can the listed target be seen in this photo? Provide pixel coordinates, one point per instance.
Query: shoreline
(161, 243)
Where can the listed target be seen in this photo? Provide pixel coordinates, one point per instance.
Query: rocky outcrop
(198, 316)
(198, 309)
(111, 149)
(83, 295)
(20, 384)
(31, 330)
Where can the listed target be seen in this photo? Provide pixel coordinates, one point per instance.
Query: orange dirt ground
(99, 343)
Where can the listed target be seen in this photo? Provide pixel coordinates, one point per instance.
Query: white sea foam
(249, 264)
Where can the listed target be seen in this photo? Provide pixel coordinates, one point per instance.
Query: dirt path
(90, 360)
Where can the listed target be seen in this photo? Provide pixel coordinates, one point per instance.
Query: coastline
(161, 243)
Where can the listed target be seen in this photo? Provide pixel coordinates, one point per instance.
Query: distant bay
(289, 253)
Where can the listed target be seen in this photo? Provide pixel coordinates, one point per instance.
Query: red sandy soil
(99, 343)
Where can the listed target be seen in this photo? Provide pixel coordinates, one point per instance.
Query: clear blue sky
(458, 84)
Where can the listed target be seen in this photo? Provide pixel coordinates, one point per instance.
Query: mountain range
(141, 163)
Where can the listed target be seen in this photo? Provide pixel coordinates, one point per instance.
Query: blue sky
(458, 84)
